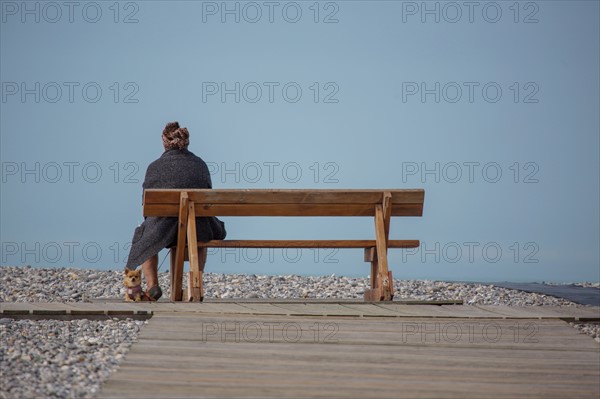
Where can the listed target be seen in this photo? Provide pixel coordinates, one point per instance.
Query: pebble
(27, 284)
(61, 359)
(591, 328)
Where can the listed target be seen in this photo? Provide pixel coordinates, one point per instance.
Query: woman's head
(175, 137)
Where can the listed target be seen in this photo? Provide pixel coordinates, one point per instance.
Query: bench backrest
(284, 202)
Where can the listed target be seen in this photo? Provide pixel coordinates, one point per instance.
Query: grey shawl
(174, 169)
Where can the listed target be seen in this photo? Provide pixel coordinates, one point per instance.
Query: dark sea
(577, 294)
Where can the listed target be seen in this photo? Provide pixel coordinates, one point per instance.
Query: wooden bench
(187, 204)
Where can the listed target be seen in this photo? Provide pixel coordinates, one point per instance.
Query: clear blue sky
(491, 107)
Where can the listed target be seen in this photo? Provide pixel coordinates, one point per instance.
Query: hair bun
(170, 127)
(175, 137)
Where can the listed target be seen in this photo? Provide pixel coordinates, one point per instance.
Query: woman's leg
(150, 269)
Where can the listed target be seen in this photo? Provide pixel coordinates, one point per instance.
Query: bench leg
(196, 278)
(172, 271)
(197, 259)
(374, 293)
(177, 266)
(381, 278)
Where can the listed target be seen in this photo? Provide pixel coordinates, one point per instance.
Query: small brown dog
(133, 284)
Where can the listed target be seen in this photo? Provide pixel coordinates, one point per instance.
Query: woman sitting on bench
(176, 168)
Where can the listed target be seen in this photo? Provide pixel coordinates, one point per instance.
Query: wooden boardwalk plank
(393, 332)
(190, 354)
(320, 309)
(414, 310)
(533, 312)
(587, 312)
(370, 310)
(339, 308)
(267, 309)
(467, 311)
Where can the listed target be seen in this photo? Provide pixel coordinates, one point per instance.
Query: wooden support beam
(220, 209)
(194, 285)
(177, 267)
(202, 254)
(381, 279)
(387, 215)
(373, 295)
(367, 244)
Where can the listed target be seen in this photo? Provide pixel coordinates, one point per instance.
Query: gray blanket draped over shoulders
(174, 169)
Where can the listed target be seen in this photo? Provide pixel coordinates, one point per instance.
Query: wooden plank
(541, 311)
(397, 308)
(320, 309)
(387, 213)
(324, 369)
(202, 308)
(445, 335)
(177, 268)
(195, 277)
(586, 313)
(267, 309)
(373, 294)
(202, 254)
(465, 311)
(383, 276)
(370, 310)
(216, 209)
(314, 345)
(403, 388)
(285, 196)
(321, 375)
(377, 291)
(393, 333)
(414, 310)
(305, 244)
(370, 253)
(19, 307)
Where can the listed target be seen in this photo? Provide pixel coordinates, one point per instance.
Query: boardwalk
(349, 349)
(191, 355)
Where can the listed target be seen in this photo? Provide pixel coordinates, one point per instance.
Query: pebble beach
(71, 358)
